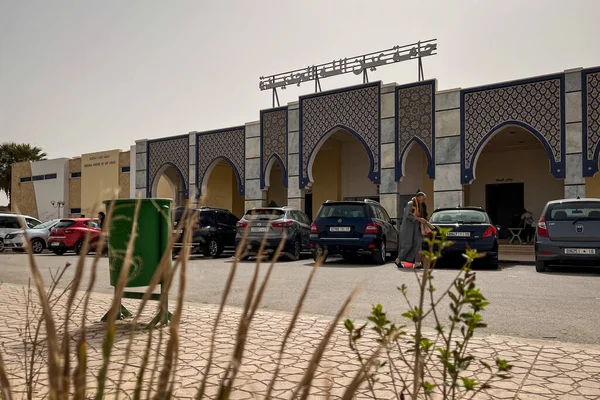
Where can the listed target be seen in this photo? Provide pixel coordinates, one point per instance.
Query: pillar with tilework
(295, 194)
(447, 187)
(388, 189)
(141, 168)
(574, 180)
(254, 196)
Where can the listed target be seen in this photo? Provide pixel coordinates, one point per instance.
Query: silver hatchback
(568, 233)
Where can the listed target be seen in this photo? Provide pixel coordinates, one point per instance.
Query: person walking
(411, 236)
(528, 224)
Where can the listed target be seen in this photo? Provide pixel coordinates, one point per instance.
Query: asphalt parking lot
(562, 304)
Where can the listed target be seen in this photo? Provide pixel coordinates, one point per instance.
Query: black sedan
(471, 228)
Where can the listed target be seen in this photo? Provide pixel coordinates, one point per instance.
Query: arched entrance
(220, 188)
(274, 179)
(168, 183)
(339, 170)
(414, 176)
(512, 172)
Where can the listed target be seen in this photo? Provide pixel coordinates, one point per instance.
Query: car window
(232, 220)
(268, 214)
(305, 218)
(32, 223)
(377, 212)
(46, 225)
(342, 210)
(92, 224)
(459, 216)
(385, 215)
(65, 224)
(9, 222)
(222, 218)
(581, 210)
(207, 218)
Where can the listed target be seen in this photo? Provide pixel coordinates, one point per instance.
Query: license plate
(258, 229)
(339, 229)
(459, 234)
(580, 251)
(54, 244)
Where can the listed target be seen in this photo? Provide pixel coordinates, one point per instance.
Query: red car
(69, 234)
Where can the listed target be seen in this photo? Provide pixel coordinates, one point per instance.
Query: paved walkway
(542, 370)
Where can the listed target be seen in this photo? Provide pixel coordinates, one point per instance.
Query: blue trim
(557, 169)
(75, 210)
(590, 167)
(50, 176)
(75, 174)
(429, 154)
(127, 169)
(149, 188)
(284, 169)
(241, 185)
(37, 178)
(185, 184)
(25, 179)
(375, 177)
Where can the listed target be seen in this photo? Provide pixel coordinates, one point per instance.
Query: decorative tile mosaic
(415, 121)
(225, 144)
(273, 140)
(591, 122)
(173, 151)
(356, 110)
(535, 105)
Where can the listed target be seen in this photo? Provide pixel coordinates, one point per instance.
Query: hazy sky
(84, 76)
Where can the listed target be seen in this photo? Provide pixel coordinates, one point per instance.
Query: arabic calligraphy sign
(357, 65)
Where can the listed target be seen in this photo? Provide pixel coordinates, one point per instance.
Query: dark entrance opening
(504, 205)
(308, 206)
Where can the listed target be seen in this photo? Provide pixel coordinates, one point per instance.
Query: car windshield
(65, 224)
(268, 214)
(46, 225)
(588, 210)
(459, 216)
(342, 211)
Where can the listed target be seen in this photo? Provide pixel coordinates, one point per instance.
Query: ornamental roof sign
(358, 65)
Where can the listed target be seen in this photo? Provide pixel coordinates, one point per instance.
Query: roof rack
(371, 201)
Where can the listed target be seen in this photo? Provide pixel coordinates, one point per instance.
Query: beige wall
(124, 177)
(222, 190)
(326, 173)
(530, 166)
(99, 179)
(355, 170)
(22, 193)
(277, 192)
(164, 189)
(74, 185)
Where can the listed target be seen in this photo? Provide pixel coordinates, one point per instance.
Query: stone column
(447, 187)
(141, 168)
(193, 188)
(574, 180)
(254, 197)
(389, 189)
(295, 194)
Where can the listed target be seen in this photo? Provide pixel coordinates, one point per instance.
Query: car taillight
(489, 232)
(283, 224)
(542, 230)
(372, 227)
(241, 224)
(313, 228)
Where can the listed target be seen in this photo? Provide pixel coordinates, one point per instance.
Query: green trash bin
(153, 232)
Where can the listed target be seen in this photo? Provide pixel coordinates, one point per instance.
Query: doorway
(504, 205)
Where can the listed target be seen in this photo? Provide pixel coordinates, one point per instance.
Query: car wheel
(78, 247)
(1, 245)
(493, 263)
(379, 255)
(541, 265)
(296, 251)
(59, 252)
(37, 246)
(319, 254)
(212, 249)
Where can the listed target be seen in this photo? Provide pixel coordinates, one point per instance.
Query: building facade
(504, 147)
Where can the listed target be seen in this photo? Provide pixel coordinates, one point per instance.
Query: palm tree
(11, 153)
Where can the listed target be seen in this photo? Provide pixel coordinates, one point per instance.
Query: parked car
(212, 233)
(471, 228)
(10, 223)
(568, 232)
(69, 234)
(38, 237)
(354, 228)
(273, 224)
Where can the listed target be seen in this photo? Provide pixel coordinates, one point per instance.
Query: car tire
(59, 252)
(380, 254)
(493, 263)
(317, 254)
(1, 245)
(78, 247)
(541, 265)
(296, 251)
(212, 249)
(37, 246)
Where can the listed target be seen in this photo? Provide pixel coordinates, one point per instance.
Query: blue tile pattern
(536, 105)
(173, 151)
(228, 145)
(415, 111)
(274, 132)
(356, 110)
(591, 121)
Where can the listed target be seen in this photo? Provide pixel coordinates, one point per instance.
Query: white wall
(50, 190)
(414, 164)
(530, 166)
(355, 171)
(132, 170)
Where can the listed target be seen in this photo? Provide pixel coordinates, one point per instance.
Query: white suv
(14, 222)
